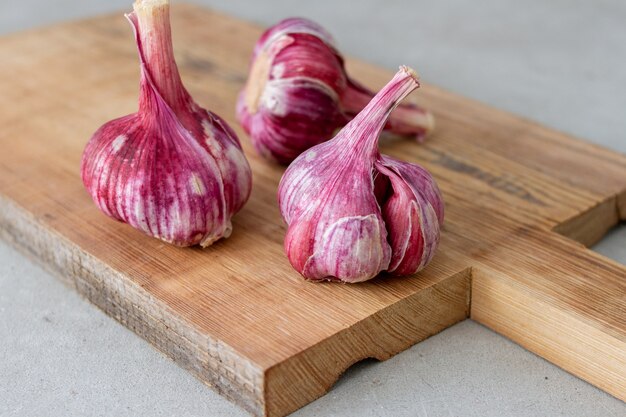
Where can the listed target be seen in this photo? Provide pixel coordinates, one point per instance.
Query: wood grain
(236, 315)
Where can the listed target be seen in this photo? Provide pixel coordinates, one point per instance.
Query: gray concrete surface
(562, 63)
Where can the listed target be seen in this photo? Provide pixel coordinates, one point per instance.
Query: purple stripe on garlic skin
(173, 170)
(298, 93)
(352, 212)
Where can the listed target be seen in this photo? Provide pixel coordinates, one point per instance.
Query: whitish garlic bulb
(173, 170)
(298, 93)
(353, 212)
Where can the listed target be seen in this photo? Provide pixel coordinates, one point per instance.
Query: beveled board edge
(210, 360)
(590, 226)
(310, 374)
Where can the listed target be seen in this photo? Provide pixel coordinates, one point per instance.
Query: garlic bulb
(353, 212)
(298, 93)
(173, 170)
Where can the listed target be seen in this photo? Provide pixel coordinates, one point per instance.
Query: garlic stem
(364, 130)
(157, 52)
(406, 119)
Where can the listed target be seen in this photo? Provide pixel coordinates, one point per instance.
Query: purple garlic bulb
(173, 170)
(352, 212)
(298, 93)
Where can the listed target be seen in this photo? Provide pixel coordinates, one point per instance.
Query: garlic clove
(353, 248)
(291, 113)
(293, 25)
(413, 214)
(297, 73)
(173, 170)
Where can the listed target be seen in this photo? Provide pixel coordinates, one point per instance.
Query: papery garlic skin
(413, 213)
(352, 212)
(298, 93)
(173, 170)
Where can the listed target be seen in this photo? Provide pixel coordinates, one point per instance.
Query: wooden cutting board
(521, 202)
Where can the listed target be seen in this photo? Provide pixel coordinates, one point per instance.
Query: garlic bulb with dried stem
(352, 212)
(298, 93)
(173, 170)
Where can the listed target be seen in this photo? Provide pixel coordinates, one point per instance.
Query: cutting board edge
(588, 227)
(512, 310)
(210, 360)
(305, 377)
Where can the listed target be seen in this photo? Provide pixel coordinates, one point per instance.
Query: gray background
(562, 63)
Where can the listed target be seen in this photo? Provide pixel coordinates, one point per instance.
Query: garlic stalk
(173, 170)
(298, 93)
(352, 212)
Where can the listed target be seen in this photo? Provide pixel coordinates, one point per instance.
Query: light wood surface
(236, 314)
